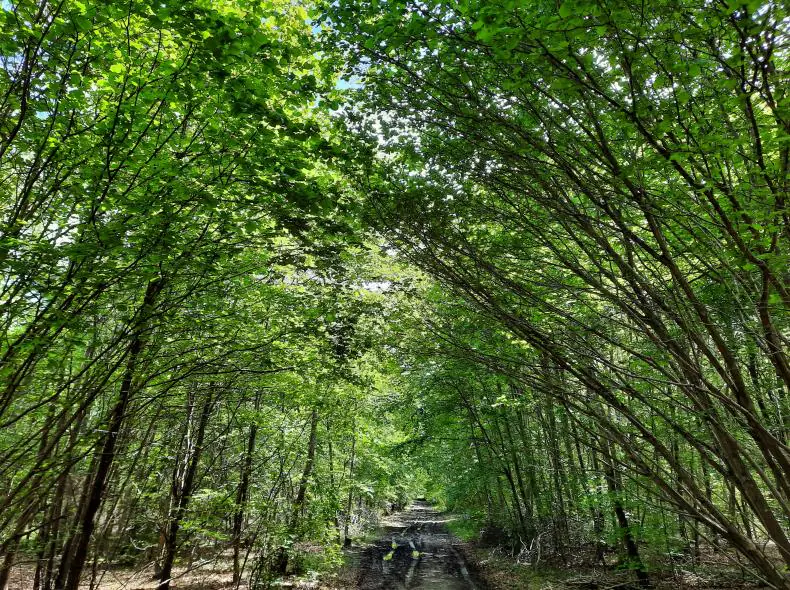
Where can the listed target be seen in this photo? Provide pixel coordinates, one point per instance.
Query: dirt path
(415, 551)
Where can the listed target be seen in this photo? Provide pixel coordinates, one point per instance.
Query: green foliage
(466, 529)
(184, 286)
(214, 339)
(603, 184)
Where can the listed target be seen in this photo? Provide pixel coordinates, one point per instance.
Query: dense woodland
(271, 268)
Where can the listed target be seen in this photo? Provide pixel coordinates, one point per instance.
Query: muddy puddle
(414, 551)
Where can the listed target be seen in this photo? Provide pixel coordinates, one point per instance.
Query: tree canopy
(271, 267)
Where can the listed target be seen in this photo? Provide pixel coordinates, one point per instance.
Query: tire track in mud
(415, 551)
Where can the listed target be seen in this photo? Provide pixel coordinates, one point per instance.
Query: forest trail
(415, 551)
(266, 265)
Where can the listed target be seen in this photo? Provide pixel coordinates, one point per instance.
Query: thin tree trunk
(76, 548)
(184, 494)
(301, 493)
(281, 562)
(631, 549)
(241, 502)
(349, 500)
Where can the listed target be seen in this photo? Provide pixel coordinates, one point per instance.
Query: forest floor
(412, 549)
(416, 550)
(711, 570)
